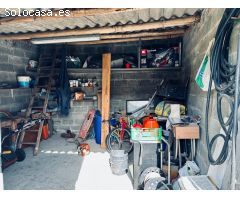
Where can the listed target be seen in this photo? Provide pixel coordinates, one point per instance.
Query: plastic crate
(146, 134)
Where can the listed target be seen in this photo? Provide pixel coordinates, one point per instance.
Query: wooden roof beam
(106, 30)
(143, 34)
(127, 40)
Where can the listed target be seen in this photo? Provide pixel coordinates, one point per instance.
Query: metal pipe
(169, 159)
(161, 156)
(179, 154)
(194, 149)
(176, 149)
(235, 120)
(1, 175)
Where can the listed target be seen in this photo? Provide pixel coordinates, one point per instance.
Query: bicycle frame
(123, 125)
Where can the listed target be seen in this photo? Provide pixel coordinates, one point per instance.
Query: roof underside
(130, 16)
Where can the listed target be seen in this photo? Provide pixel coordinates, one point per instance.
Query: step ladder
(43, 72)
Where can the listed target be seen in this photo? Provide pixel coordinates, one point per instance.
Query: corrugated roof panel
(109, 19)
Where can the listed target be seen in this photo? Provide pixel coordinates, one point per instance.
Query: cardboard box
(186, 131)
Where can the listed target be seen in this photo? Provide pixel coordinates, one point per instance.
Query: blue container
(97, 127)
(24, 84)
(24, 81)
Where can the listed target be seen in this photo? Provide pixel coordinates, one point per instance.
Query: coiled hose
(223, 76)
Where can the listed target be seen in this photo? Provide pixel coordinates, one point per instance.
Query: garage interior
(109, 99)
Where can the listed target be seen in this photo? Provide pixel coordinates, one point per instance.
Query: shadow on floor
(56, 167)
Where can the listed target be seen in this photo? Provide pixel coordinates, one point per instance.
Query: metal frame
(1, 174)
(161, 153)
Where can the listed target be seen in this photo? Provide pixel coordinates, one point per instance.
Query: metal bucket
(118, 162)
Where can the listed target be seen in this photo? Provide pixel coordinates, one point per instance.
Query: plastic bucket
(118, 162)
(24, 81)
(45, 132)
(97, 127)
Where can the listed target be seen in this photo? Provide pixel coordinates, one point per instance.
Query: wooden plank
(99, 97)
(106, 30)
(143, 34)
(55, 15)
(126, 40)
(106, 73)
(11, 123)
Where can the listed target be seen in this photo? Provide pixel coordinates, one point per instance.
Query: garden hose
(223, 76)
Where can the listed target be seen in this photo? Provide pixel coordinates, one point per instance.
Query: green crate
(146, 134)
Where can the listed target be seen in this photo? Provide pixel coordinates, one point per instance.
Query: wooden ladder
(46, 73)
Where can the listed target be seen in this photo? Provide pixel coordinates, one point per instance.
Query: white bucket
(118, 162)
(24, 81)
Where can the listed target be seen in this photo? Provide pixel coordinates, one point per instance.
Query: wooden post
(99, 97)
(106, 72)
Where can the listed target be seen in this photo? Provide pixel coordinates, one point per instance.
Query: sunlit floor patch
(96, 174)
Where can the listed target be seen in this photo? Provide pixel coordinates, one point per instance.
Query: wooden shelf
(83, 88)
(17, 88)
(92, 70)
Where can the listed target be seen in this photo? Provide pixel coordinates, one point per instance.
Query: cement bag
(164, 109)
(203, 75)
(189, 169)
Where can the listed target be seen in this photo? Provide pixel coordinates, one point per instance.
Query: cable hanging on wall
(225, 78)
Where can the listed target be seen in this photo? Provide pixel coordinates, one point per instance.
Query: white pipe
(235, 119)
(66, 39)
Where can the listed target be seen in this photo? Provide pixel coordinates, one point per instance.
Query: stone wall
(14, 58)
(195, 44)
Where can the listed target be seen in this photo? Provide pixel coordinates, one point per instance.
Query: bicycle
(119, 137)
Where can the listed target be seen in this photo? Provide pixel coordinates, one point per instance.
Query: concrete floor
(58, 166)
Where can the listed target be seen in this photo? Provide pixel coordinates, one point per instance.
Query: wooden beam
(142, 34)
(105, 30)
(106, 75)
(126, 40)
(99, 97)
(55, 15)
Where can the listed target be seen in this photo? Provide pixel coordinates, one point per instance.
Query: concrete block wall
(125, 84)
(195, 44)
(136, 85)
(13, 100)
(74, 120)
(14, 58)
(129, 84)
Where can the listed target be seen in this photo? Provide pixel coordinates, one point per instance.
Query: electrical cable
(223, 77)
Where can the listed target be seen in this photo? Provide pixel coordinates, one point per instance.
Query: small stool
(190, 132)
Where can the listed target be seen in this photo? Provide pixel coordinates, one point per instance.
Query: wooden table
(190, 132)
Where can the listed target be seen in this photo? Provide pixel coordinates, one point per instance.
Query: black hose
(223, 76)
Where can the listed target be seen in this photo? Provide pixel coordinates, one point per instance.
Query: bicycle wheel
(124, 143)
(112, 142)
